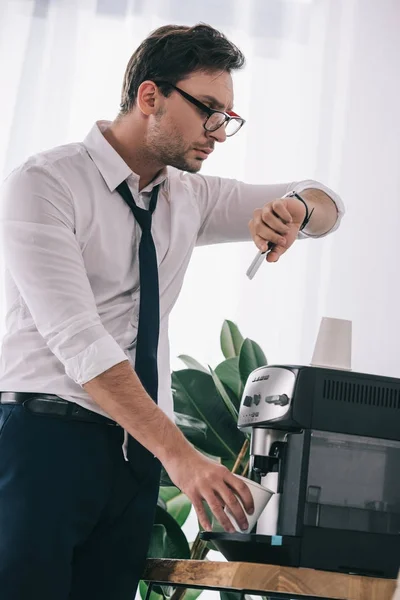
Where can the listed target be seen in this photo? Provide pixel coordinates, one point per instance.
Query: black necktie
(149, 308)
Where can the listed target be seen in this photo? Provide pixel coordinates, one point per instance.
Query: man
(75, 515)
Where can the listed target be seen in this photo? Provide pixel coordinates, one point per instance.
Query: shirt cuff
(311, 184)
(94, 360)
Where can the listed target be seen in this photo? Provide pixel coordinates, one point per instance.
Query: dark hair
(172, 52)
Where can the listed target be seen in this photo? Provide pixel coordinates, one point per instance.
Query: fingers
(203, 480)
(216, 506)
(274, 222)
(275, 254)
(273, 227)
(201, 514)
(241, 490)
(236, 497)
(268, 225)
(234, 507)
(280, 209)
(262, 235)
(225, 494)
(260, 242)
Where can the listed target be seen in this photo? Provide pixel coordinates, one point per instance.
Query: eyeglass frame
(229, 116)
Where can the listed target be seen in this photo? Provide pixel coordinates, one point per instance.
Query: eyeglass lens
(217, 119)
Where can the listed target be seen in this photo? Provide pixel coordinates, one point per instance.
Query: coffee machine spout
(266, 451)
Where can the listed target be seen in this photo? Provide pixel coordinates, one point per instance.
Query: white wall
(350, 135)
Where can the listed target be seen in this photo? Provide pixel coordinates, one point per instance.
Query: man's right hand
(204, 480)
(121, 395)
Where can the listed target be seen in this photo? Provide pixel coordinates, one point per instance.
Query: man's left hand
(277, 224)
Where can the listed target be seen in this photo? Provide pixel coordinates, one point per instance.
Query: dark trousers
(75, 517)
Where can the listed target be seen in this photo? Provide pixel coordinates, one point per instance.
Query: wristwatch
(294, 194)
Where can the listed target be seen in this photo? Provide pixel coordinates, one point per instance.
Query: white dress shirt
(70, 251)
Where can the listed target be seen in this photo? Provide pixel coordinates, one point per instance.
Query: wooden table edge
(258, 577)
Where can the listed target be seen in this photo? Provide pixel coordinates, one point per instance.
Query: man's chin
(192, 166)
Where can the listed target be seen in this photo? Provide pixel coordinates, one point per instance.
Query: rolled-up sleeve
(43, 257)
(316, 185)
(226, 205)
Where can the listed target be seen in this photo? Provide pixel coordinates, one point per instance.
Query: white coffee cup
(261, 497)
(333, 346)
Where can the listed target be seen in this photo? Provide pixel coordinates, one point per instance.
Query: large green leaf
(177, 504)
(192, 363)
(168, 539)
(224, 395)
(143, 586)
(161, 502)
(158, 541)
(228, 372)
(190, 593)
(231, 339)
(193, 429)
(168, 493)
(165, 480)
(195, 394)
(251, 357)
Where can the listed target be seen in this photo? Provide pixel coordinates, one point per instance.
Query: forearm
(119, 392)
(324, 214)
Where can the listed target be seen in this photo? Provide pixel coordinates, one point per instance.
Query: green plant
(206, 404)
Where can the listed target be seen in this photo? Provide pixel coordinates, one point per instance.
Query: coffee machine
(327, 442)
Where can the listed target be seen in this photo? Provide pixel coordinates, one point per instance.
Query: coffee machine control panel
(267, 395)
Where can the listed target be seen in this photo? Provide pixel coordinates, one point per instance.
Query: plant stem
(245, 469)
(241, 456)
(196, 546)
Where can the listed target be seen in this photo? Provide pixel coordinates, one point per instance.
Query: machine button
(272, 399)
(284, 400)
(278, 400)
(257, 399)
(248, 401)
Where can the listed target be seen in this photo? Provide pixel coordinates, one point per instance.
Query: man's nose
(219, 135)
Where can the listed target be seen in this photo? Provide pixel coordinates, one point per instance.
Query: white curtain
(321, 97)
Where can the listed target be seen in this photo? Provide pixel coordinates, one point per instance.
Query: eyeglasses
(216, 118)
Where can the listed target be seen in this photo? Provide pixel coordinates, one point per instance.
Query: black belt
(49, 404)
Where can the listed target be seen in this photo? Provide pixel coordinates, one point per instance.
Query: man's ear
(148, 98)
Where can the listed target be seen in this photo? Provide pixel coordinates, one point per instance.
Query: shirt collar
(111, 165)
